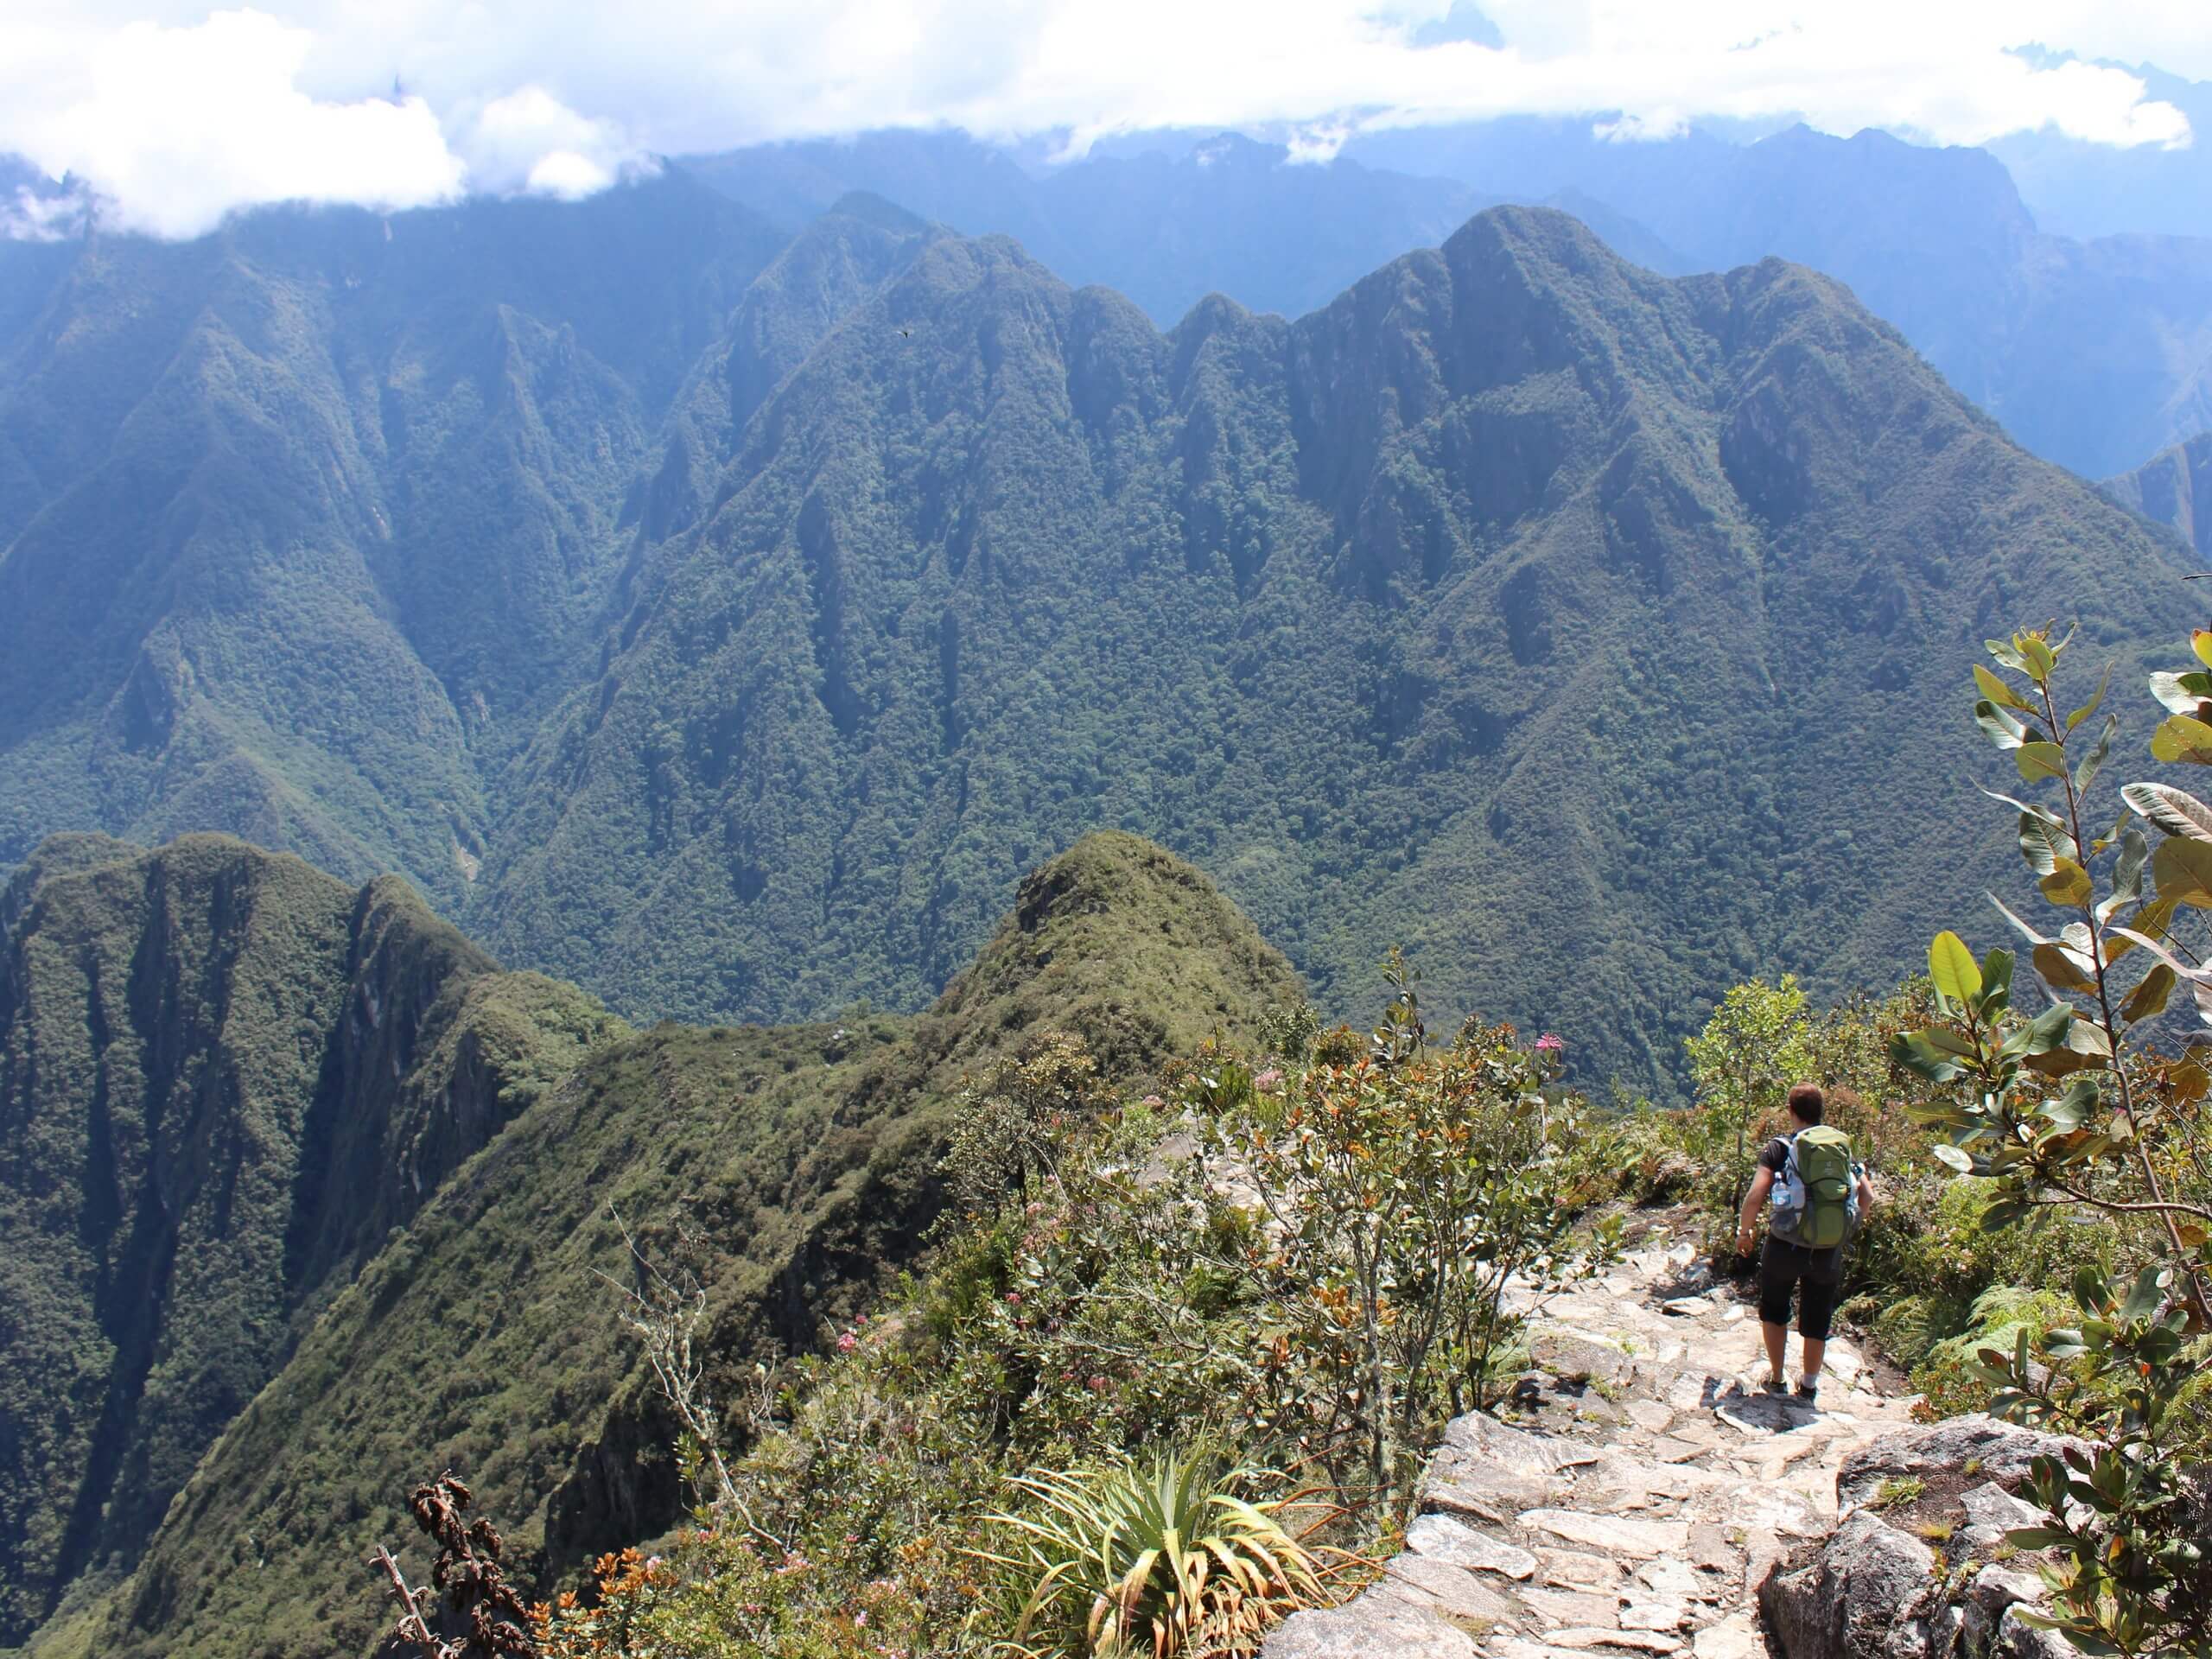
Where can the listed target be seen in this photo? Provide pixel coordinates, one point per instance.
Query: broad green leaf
(2200, 641)
(2005, 655)
(1952, 966)
(2183, 871)
(2068, 884)
(2092, 1292)
(1997, 691)
(2037, 761)
(2149, 923)
(1916, 1054)
(2090, 707)
(2184, 694)
(2043, 844)
(2063, 970)
(2041, 660)
(2148, 1291)
(2149, 997)
(2028, 807)
(2174, 810)
(2004, 732)
(2182, 739)
(1951, 1157)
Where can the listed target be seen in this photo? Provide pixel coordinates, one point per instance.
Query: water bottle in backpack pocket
(1816, 1197)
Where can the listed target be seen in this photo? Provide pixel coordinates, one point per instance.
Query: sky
(172, 115)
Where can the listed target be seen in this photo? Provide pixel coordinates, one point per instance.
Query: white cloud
(172, 127)
(529, 140)
(175, 115)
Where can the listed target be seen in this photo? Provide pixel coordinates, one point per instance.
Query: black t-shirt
(1821, 1267)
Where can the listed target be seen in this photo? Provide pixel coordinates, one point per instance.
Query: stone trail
(1644, 1491)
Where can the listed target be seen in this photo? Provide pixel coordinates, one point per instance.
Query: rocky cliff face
(223, 1074)
(2174, 487)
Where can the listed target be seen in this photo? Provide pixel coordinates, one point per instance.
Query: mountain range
(726, 629)
(2093, 353)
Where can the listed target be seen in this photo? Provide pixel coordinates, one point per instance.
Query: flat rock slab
(1667, 1616)
(1733, 1637)
(1442, 1539)
(1616, 1535)
(1571, 1569)
(1455, 1592)
(1999, 1451)
(1558, 1608)
(1367, 1627)
(1633, 1640)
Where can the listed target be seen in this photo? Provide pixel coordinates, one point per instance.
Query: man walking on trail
(1820, 1197)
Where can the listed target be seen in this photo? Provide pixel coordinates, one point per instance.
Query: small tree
(1756, 1041)
(2070, 1109)
(1404, 1198)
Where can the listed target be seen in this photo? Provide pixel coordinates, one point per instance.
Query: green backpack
(1816, 1200)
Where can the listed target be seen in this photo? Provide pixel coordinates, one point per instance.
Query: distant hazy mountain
(2092, 354)
(1166, 227)
(2089, 190)
(2174, 487)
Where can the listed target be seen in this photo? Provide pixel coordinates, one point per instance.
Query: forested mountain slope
(2174, 487)
(727, 628)
(301, 525)
(1579, 628)
(223, 1077)
(800, 1164)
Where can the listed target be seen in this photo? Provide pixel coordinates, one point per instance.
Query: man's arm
(1754, 1201)
(1866, 1189)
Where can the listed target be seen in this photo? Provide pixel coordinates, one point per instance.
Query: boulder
(1998, 1452)
(1994, 1592)
(1991, 1512)
(1864, 1594)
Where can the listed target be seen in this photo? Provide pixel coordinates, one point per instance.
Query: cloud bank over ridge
(170, 115)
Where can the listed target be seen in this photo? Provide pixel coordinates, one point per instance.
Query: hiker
(1820, 1197)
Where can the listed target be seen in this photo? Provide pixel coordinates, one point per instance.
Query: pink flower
(847, 1343)
(1013, 1299)
(1269, 1078)
(1099, 1384)
(1548, 1043)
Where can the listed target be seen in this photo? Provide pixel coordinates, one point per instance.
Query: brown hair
(1807, 1103)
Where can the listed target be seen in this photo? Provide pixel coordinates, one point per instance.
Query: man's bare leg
(1814, 1352)
(1777, 1341)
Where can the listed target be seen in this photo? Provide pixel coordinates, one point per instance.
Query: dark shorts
(1813, 1274)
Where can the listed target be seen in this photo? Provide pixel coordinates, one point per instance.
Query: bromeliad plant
(2069, 1107)
(1162, 1559)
